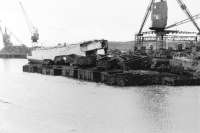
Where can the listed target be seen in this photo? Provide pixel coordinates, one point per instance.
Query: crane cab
(159, 15)
(35, 37)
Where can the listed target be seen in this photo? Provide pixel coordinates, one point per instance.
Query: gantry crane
(161, 32)
(33, 30)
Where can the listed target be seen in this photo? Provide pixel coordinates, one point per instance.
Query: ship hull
(81, 49)
(40, 54)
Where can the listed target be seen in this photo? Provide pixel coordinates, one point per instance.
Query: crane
(159, 18)
(183, 21)
(33, 30)
(6, 37)
(7, 34)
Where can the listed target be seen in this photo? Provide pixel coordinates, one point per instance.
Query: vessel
(38, 54)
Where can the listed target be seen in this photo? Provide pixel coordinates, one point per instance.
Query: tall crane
(159, 15)
(33, 30)
(6, 37)
(183, 7)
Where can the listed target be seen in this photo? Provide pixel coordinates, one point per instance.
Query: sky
(71, 21)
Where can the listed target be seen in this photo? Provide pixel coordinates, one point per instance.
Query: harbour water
(34, 103)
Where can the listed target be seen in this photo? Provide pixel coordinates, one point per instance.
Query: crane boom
(183, 21)
(146, 16)
(184, 8)
(29, 24)
(33, 30)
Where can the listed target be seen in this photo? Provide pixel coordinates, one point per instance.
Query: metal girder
(168, 32)
(184, 8)
(146, 16)
(183, 21)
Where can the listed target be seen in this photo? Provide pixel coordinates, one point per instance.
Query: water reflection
(12, 65)
(170, 109)
(154, 104)
(4, 65)
(95, 107)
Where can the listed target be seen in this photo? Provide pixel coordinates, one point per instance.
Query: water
(34, 103)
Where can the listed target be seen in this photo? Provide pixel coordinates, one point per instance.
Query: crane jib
(33, 30)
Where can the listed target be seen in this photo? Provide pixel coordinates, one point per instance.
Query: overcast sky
(78, 20)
